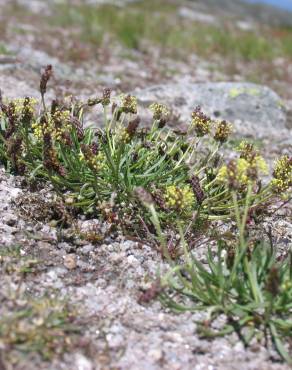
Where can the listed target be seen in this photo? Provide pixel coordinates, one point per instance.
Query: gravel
(104, 282)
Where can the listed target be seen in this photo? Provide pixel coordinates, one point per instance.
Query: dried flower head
(158, 198)
(132, 126)
(282, 180)
(159, 111)
(28, 110)
(129, 104)
(104, 100)
(17, 111)
(273, 281)
(51, 161)
(180, 199)
(143, 195)
(91, 154)
(12, 120)
(247, 150)
(106, 97)
(223, 131)
(14, 151)
(197, 189)
(45, 77)
(57, 125)
(201, 122)
(75, 122)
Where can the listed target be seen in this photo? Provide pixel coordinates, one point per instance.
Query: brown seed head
(45, 77)
(273, 282)
(133, 125)
(143, 195)
(197, 189)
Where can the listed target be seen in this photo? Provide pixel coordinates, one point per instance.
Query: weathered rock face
(253, 109)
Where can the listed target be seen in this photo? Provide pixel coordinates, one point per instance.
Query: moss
(235, 92)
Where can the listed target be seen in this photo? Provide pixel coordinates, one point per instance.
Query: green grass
(43, 325)
(159, 24)
(12, 262)
(4, 50)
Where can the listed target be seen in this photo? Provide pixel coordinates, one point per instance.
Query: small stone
(70, 261)
(82, 363)
(10, 219)
(155, 354)
(43, 245)
(87, 249)
(132, 260)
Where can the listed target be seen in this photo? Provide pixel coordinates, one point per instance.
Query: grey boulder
(254, 110)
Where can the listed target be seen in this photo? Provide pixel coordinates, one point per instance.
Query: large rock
(253, 109)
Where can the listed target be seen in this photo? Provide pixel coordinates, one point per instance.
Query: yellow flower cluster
(260, 164)
(287, 285)
(239, 173)
(256, 161)
(56, 125)
(96, 162)
(200, 122)
(19, 104)
(180, 199)
(28, 103)
(37, 130)
(246, 150)
(245, 146)
(61, 123)
(282, 174)
(222, 132)
(235, 171)
(159, 111)
(129, 104)
(122, 134)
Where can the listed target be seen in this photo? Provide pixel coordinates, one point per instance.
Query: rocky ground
(102, 281)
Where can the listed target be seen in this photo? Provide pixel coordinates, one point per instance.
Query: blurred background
(126, 44)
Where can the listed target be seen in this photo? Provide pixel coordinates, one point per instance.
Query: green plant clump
(154, 181)
(244, 281)
(45, 326)
(97, 170)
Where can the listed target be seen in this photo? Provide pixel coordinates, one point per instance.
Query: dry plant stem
(44, 103)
